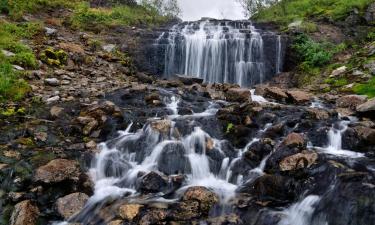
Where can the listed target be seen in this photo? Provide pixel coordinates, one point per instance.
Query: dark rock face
(153, 183)
(173, 160)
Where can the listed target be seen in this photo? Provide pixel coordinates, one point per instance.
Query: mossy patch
(366, 88)
(54, 57)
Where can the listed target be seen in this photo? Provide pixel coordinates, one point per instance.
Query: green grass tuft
(366, 89)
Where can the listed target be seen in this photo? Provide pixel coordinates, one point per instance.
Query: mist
(218, 9)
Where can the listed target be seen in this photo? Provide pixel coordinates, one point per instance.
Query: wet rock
(238, 95)
(294, 140)
(272, 188)
(370, 14)
(153, 99)
(351, 101)
(52, 81)
(275, 93)
(339, 71)
(116, 222)
(143, 78)
(91, 145)
(317, 114)
(56, 111)
(185, 210)
(299, 97)
(58, 170)
(90, 127)
(231, 219)
(152, 182)
(162, 126)
(156, 216)
(205, 197)
(188, 80)
(70, 205)
(366, 134)
(173, 160)
(305, 159)
(24, 213)
(129, 211)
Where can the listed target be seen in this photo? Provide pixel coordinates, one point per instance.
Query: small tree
(253, 6)
(168, 8)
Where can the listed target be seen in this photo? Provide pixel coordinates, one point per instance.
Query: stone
(152, 182)
(299, 97)
(7, 53)
(367, 107)
(129, 211)
(317, 114)
(116, 222)
(71, 204)
(188, 80)
(91, 145)
(370, 14)
(41, 136)
(162, 126)
(56, 111)
(58, 170)
(19, 68)
(109, 48)
(366, 134)
(294, 140)
(52, 81)
(24, 213)
(50, 31)
(3, 166)
(155, 216)
(238, 95)
(305, 159)
(371, 67)
(275, 93)
(351, 101)
(12, 154)
(339, 71)
(206, 198)
(53, 100)
(89, 128)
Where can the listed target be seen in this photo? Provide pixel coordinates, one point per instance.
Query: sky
(218, 9)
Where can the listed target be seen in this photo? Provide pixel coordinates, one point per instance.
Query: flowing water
(222, 51)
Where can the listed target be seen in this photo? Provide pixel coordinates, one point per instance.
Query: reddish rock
(294, 140)
(24, 213)
(275, 93)
(238, 95)
(350, 101)
(58, 170)
(299, 97)
(70, 205)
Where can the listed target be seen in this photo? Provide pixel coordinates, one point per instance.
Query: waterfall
(226, 51)
(301, 212)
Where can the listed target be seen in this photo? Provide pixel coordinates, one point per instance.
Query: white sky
(218, 9)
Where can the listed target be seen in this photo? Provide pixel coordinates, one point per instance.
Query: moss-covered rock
(54, 57)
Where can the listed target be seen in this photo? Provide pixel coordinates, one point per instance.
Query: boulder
(162, 126)
(24, 213)
(129, 211)
(299, 97)
(238, 95)
(173, 159)
(367, 107)
(339, 71)
(70, 205)
(188, 80)
(317, 114)
(301, 160)
(53, 100)
(156, 216)
(205, 197)
(185, 210)
(275, 93)
(152, 182)
(7, 53)
(294, 140)
(52, 81)
(351, 101)
(366, 134)
(58, 170)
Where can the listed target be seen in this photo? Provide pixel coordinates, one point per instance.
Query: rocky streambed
(183, 152)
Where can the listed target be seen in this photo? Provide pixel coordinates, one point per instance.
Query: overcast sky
(219, 9)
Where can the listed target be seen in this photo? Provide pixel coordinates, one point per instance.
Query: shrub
(11, 86)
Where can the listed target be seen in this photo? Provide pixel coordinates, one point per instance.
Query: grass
(366, 89)
(12, 86)
(17, 8)
(288, 11)
(85, 17)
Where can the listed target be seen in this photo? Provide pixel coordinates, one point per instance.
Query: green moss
(41, 158)
(54, 57)
(366, 88)
(12, 111)
(336, 82)
(229, 128)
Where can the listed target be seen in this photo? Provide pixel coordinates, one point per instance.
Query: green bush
(312, 53)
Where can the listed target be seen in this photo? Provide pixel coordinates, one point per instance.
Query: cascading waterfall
(229, 51)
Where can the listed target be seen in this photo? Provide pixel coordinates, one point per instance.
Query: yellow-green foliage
(287, 11)
(54, 57)
(366, 88)
(85, 17)
(16, 8)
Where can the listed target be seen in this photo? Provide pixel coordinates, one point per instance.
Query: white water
(257, 98)
(301, 212)
(230, 52)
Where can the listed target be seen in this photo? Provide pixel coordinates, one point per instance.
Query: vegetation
(287, 11)
(366, 88)
(85, 17)
(12, 86)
